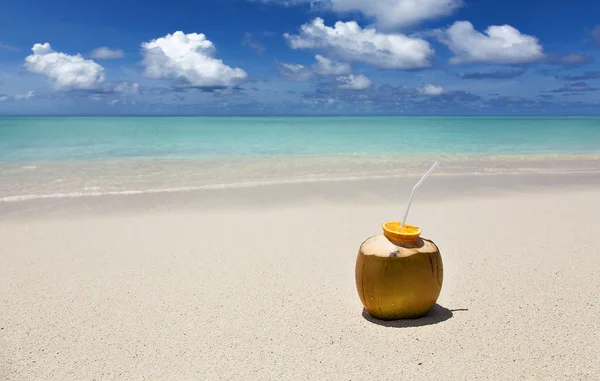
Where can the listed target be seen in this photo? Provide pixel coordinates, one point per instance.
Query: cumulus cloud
(73, 73)
(325, 66)
(499, 44)
(354, 82)
(105, 53)
(67, 72)
(295, 72)
(189, 60)
(350, 42)
(397, 13)
(431, 90)
(386, 13)
(4, 97)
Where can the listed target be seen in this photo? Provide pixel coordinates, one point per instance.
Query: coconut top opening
(380, 246)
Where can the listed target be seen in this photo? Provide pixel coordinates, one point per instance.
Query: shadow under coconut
(436, 315)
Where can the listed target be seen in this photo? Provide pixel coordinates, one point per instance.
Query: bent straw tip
(417, 185)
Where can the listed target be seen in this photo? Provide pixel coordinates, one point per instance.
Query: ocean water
(40, 139)
(54, 156)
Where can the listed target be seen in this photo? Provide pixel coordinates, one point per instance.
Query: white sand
(207, 291)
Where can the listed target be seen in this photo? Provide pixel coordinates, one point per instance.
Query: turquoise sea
(42, 156)
(39, 139)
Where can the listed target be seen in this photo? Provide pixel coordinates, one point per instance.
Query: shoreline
(451, 157)
(72, 179)
(392, 190)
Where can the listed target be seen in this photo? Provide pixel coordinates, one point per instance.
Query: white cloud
(352, 43)
(295, 72)
(66, 71)
(500, 44)
(386, 13)
(72, 72)
(432, 90)
(322, 67)
(354, 82)
(189, 60)
(20, 97)
(127, 88)
(325, 66)
(106, 53)
(25, 97)
(397, 13)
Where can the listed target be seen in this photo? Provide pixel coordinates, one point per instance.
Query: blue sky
(331, 57)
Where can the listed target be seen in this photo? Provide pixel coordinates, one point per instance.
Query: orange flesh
(394, 230)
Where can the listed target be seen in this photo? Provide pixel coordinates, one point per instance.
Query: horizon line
(305, 115)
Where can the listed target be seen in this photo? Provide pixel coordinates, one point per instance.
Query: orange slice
(393, 231)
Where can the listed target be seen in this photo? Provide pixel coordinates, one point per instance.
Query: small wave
(250, 184)
(95, 191)
(26, 197)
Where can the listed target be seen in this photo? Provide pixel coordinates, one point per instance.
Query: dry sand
(258, 284)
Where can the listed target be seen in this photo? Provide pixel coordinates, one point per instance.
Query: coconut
(399, 274)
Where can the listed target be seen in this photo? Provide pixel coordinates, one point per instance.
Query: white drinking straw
(415, 188)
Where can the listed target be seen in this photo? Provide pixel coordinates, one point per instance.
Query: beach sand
(258, 283)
